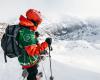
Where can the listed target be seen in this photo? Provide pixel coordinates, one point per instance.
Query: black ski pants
(32, 72)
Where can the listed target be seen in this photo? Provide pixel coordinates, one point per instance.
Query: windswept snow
(78, 53)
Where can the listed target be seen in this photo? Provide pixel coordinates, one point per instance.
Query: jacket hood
(27, 23)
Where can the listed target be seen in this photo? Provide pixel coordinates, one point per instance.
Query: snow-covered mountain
(70, 28)
(76, 43)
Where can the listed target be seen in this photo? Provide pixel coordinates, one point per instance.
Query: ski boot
(39, 76)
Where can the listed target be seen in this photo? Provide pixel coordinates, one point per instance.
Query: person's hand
(49, 41)
(37, 34)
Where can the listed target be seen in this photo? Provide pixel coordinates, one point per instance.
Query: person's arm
(36, 49)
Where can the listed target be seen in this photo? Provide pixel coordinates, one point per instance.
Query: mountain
(71, 28)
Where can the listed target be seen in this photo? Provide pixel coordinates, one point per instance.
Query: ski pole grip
(49, 41)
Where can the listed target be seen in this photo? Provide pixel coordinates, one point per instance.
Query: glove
(37, 34)
(44, 52)
(49, 41)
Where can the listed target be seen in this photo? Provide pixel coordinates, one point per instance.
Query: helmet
(34, 15)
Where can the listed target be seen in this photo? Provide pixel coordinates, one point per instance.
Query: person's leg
(32, 73)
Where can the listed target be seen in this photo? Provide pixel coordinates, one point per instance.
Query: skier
(30, 47)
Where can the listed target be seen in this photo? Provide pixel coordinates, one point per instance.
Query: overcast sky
(81, 8)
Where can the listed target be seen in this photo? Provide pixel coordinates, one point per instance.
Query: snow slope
(75, 55)
(79, 62)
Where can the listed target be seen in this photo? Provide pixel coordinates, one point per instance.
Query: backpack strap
(5, 53)
(5, 57)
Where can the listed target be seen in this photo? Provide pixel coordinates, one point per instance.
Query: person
(29, 45)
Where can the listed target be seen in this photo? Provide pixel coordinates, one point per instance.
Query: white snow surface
(75, 55)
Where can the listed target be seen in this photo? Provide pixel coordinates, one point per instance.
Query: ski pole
(44, 71)
(51, 77)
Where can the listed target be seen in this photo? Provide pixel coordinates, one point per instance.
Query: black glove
(49, 41)
(37, 34)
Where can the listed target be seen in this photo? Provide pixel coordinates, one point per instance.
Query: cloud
(82, 8)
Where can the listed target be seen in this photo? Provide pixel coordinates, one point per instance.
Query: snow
(64, 72)
(75, 55)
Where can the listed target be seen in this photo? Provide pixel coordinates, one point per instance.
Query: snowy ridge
(2, 29)
(75, 29)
